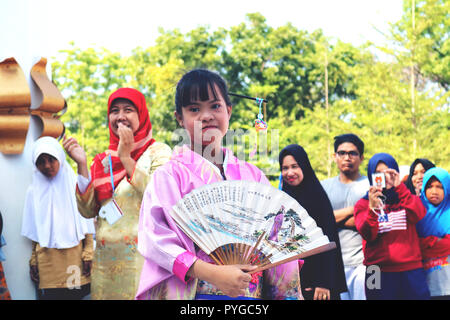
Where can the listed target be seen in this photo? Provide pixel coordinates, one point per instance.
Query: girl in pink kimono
(174, 267)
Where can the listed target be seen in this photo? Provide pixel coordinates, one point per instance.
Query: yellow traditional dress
(117, 263)
(57, 266)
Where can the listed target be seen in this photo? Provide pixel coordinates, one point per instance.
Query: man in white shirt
(344, 191)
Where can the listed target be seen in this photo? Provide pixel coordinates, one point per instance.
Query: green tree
(316, 87)
(85, 78)
(421, 48)
(422, 39)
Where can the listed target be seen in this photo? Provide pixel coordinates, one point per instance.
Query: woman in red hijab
(112, 190)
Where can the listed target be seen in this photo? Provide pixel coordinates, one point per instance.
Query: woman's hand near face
(126, 143)
(392, 178)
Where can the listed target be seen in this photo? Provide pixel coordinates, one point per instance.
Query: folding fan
(244, 222)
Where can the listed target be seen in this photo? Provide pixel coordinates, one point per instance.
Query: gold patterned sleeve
(88, 247)
(155, 156)
(33, 259)
(86, 203)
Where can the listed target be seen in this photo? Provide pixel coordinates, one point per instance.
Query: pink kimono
(169, 253)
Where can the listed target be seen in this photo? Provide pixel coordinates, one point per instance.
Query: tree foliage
(316, 87)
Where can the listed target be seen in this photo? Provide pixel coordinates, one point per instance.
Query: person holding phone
(386, 218)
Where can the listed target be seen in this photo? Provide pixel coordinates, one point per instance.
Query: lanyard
(111, 174)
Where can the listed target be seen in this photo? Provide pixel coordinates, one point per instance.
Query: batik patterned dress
(169, 253)
(117, 263)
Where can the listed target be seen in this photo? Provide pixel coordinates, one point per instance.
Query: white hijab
(51, 216)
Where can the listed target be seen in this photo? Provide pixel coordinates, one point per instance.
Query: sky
(122, 25)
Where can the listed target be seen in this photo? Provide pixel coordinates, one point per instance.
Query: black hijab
(427, 164)
(325, 270)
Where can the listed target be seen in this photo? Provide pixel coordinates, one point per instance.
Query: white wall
(23, 36)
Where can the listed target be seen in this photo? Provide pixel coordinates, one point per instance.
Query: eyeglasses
(351, 154)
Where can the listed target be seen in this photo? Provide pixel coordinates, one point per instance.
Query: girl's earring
(179, 119)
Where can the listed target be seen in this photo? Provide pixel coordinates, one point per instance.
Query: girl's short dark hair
(193, 86)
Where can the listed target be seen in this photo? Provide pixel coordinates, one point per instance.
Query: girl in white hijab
(62, 239)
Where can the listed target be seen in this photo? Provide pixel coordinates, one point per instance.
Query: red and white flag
(391, 221)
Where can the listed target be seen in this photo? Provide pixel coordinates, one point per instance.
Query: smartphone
(379, 180)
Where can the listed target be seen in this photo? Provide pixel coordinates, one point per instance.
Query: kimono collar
(192, 159)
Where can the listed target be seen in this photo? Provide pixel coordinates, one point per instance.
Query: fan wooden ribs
(245, 222)
(239, 253)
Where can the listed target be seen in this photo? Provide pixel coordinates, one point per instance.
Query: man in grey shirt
(344, 191)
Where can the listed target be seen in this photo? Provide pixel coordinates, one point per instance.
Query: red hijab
(100, 174)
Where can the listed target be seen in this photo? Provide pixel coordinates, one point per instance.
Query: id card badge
(111, 212)
(379, 180)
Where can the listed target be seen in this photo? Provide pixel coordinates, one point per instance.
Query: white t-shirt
(343, 195)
